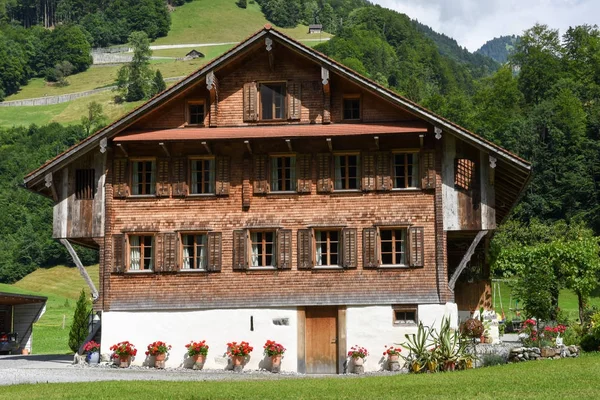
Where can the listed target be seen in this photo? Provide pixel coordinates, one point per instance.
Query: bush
(79, 328)
(572, 335)
(590, 343)
(489, 360)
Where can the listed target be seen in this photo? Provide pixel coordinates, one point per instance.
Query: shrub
(572, 335)
(489, 360)
(79, 328)
(590, 343)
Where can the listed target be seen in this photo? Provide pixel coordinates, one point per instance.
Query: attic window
(351, 107)
(85, 184)
(272, 101)
(465, 173)
(195, 113)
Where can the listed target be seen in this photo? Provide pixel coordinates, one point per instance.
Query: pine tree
(79, 328)
(159, 84)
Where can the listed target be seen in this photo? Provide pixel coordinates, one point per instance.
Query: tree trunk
(555, 293)
(581, 303)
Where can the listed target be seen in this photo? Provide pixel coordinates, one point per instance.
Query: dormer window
(272, 101)
(195, 113)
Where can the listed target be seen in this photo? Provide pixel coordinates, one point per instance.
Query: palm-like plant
(417, 345)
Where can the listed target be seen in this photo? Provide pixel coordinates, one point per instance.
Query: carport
(18, 313)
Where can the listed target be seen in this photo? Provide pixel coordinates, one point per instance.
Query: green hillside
(62, 286)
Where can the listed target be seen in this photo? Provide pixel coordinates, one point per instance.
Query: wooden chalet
(277, 194)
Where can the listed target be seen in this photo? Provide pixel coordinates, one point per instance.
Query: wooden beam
(165, 149)
(122, 148)
(289, 145)
(207, 147)
(247, 143)
(212, 85)
(466, 259)
(326, 95)
(329, 144)
(82, 270)
(49, 183)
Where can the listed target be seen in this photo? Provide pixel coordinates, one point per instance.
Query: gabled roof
(520, 165)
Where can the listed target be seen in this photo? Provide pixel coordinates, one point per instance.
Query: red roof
(271, 131)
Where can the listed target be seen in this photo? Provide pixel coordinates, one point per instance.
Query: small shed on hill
(315, 28)
(18, 313)
(193, 54)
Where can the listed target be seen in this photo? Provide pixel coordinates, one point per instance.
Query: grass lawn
(62, 286)
(564, 379)
(218, 21)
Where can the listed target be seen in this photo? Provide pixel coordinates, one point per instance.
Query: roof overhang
(13, 299)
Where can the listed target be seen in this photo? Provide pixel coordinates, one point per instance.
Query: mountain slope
(499, 48)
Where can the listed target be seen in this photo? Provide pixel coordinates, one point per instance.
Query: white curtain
(187, 252)
(319, 259)
(255, 250)
(151, 265)
(134, 245)
(202, 251)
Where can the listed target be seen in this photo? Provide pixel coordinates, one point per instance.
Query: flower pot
(276, 363)
(449, 366)
(469, 364)
(237, 360)
(159, 360)
(432, 366)
(199, 359)
(358, 361)
(93, 358)
(393, 358)
(416, 367)
(124, 361)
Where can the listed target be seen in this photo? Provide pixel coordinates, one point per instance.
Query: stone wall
(518, 354)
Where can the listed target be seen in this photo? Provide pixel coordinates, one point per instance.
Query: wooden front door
(321, 340)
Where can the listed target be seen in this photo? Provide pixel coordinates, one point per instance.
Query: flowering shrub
(157, 348)
(272, 348)
(91, 347)
(241, 349)
(549, 334)
(392, 351)
(358, 352)
(528, 333)
(124, 349)
(197, 348)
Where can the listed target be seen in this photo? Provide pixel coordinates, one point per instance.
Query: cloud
(474, 22)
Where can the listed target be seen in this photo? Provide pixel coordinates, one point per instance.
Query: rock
(573, 349)
(238, 368)
(516, 350)
(557, 357)
(359, 369)
(394, 366)
(79, 359)
(537, 350)
(520, 356)
(526, 356)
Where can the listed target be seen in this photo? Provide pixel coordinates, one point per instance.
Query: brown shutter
(170, 251)
(383, 180)
(179, 177)
(370, 259)
(294, 90)
(260, 180)
(120, 186)
(304, 249)
(427, 170)
(222, 179)
(162, 179)
(368, 171)
(416, 248)
(284, 249)
(240, 250)
(303, 173)
(324, 174)
(250, 102)
(214, 251)
(119, 247)
(349, 248)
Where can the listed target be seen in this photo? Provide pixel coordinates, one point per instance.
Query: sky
(474, 22)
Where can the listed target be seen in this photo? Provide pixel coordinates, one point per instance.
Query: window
(194, 252)
(195, 113)
(346, 172)
(272, 101)
(283, 173)
(406, 170)
(85, 184)
(393, 246)
(202, 173)
(351, 108)
(141, 252)
(143, 180)
(465, 174)
(263, 249)
(405, 315)
(327, 245)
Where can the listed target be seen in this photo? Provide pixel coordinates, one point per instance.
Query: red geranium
(91, 347)
(157, 348)
(197, 348)
(358, 352)
(272, 348)
(392, 351)
(124, 349)
(241, 349)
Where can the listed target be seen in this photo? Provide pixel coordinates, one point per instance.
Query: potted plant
(392, 353)
(275, 351)
(358, 355)
(472, 328)
(417, 345)
(92, 349)
(198, 351)
(159, 351)
(238, 352)
(124, 351)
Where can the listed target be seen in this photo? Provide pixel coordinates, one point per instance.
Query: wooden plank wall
(24, 316)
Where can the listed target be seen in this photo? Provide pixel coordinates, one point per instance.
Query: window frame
(249, 233)
(393, 228)
(416, 178)
(133, 160)
(328, 253)
(357, 97)
(358, 171)
(188, 114)
(293, 178)
(284, 115)
(405, 309)
(182, 246)
(152, 235)
(213, 175)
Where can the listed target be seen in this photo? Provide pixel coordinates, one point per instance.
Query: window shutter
(383, 180)
(214, 251)
(349, 248)
(294, 100)
(416, 248)
(370, 259)
(119, 247)
(368, 171)
(120, 186)
(427, 170)
(324, 176)
(240, 250)
(260, 174)
(170, 246)
(250, 102)
(303, 173)
(284, 249)
(162, 180)
(179, 177)
(304, 249)
(222, 179)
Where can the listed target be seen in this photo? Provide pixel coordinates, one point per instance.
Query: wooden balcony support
(466, 258)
